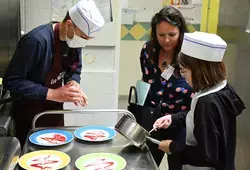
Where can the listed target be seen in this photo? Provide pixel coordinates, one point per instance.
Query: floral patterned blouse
(173, 95)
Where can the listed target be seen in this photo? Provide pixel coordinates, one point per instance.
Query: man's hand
(75, 84)
(84, 98)
(65, 93)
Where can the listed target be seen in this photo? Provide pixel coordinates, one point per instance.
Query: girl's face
(187, 75)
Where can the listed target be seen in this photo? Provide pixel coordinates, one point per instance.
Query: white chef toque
(204, 46)
(87, 17)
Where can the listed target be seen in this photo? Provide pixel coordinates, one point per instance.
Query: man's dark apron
(25, 109)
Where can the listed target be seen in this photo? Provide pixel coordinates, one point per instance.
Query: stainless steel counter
(136, 159)
(10, 151)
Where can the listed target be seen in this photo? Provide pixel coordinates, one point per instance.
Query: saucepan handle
(153, 140)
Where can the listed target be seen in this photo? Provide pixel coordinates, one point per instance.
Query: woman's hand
(163, 122)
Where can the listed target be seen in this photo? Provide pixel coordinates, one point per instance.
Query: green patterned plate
(100, 161)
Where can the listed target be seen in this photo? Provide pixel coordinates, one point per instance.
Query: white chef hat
(87, 17)
(204, 46)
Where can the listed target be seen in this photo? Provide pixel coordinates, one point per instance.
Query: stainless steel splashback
(233, 18)
(9, 31)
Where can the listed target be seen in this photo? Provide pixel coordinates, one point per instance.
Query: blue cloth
(33, 58)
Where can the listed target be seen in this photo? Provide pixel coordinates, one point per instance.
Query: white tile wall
(98, 58)
(43, 4)
(30, 3)
(35, 13)
(99, 89)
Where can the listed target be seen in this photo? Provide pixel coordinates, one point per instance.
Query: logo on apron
(59, 77)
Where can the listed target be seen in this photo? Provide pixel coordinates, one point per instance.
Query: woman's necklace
(164, 63)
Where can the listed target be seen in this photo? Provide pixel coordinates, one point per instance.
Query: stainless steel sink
(10, 151)
(5, 116)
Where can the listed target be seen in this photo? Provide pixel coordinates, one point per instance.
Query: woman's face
(167, 35)
(187, 75)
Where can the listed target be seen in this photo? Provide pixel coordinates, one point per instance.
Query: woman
(169, 92)
(211, 122)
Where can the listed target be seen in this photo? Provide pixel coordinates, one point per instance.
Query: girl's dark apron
(25, 109)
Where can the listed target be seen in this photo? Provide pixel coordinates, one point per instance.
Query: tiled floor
(123, 103)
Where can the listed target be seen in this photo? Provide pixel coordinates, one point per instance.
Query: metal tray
(137, 159)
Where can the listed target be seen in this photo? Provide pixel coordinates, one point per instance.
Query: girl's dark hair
(174, 17)
(205, 74)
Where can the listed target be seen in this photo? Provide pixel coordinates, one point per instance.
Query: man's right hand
(65, 93)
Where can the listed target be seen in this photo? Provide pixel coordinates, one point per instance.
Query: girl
(211, 121)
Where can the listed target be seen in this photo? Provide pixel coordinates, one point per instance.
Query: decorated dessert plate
(102, 161)
(95, 133)
(44, 159)
(51, 137)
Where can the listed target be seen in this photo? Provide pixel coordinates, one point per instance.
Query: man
(45, 69)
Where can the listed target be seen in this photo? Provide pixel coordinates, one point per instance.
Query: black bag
(145, 116)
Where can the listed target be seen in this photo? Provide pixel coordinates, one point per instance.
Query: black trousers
(175, 134)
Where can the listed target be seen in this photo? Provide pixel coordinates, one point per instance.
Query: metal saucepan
(133, 131)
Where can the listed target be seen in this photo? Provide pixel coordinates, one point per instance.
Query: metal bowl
(133, 131)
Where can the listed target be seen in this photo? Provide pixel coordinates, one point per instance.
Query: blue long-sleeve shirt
(32, 60)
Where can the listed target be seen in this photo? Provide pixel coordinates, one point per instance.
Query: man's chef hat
(87, 17)
(204, 46)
